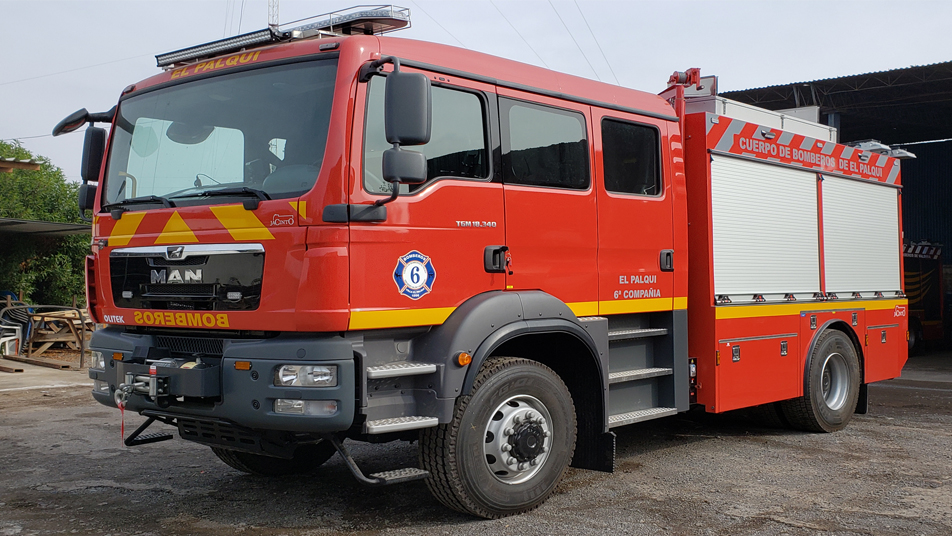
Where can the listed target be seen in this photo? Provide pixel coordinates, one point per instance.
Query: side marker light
(242, 365)
(463, 359)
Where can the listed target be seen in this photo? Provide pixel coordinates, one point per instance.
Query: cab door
(416, 265)
(550, 201)
(635, 234)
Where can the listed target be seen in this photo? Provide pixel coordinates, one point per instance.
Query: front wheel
(832, 389)
(508, 444)
(307, 458)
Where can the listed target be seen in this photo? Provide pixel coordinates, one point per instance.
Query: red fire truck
(310, 236)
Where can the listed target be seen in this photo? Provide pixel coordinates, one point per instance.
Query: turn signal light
(242, 365)
(463, 359)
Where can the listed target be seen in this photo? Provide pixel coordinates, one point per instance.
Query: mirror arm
(373, 67)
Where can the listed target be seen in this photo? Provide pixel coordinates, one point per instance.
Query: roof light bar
(231, 44)
(367, 20)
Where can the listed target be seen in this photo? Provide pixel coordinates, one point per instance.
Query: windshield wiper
(251, 204)
(117, 208)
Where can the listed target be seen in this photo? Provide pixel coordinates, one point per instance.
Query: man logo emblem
(414, 275)
(174, 252)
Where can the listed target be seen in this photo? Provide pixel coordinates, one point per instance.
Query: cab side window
(630, 158)
(458, 144)
(543, 146)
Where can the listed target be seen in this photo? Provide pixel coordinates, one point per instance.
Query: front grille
(198, 290)
(197, 260)
(191, 345)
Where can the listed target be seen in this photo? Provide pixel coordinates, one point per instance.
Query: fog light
(100, 386)
(99, 361)
(306, 376)
(289, 406)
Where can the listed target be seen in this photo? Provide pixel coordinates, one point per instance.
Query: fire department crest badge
(414, 275)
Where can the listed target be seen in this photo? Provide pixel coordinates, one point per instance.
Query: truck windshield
(261, 132)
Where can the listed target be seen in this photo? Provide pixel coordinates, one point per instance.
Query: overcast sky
(59, 56)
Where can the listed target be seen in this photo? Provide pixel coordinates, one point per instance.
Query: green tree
(47, 271)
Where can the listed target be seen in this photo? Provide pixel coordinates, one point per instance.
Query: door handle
(494, 259)
(667, 260)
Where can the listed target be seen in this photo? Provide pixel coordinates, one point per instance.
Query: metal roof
(41, 228)
(895, 106)
(9, 164)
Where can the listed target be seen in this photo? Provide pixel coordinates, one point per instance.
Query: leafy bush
(46, 270)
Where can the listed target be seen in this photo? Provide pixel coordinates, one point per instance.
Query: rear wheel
(915, 337)
(832, 389)
(307, 458)
(509, 442)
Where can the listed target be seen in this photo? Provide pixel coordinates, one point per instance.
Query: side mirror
(93, 150)
(87, 198)
(407, 167)
(407, 108)
(72, 122)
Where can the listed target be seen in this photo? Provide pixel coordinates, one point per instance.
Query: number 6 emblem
(414, 275)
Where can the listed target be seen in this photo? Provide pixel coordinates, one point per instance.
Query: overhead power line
(596, 42)
(73, 70)
(585, 56)
(432, 18)
(519, 34)
(27, 137)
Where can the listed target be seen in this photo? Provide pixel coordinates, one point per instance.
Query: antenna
(273, 15)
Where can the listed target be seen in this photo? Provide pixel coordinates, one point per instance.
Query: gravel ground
(64, 471)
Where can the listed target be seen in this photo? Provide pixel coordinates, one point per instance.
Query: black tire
(916, 344)
(307, 458)
(832, 389)
(509, 400)
(769, 416)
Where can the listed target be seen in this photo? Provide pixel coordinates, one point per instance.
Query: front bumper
(220, 392)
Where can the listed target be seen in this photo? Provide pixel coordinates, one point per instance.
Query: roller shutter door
(765, 229)
(860, 236)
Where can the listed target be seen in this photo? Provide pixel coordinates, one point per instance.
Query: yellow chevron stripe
(758, 311)
(241, 224)
(176, 231)
(398, 318)
(300, 207)
(125, 228)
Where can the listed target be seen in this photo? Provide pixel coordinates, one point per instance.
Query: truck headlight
(306, 376)
(99, 361)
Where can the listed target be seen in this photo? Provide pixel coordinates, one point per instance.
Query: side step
(641, 415)
(399, 424)
(638, 374)
(384, 478)
(394, 370)
(626, 334)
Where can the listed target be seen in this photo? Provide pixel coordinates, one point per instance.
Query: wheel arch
(532, 325)
(843, 327)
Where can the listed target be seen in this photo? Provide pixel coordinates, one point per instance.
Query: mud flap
(597, 455)
(862, 404)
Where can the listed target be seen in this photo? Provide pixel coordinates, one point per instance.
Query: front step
(399, 424)
(638, 374)
(398, 476)
(628, 334)
(383, 478)
(394, 370)
(641, 415)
